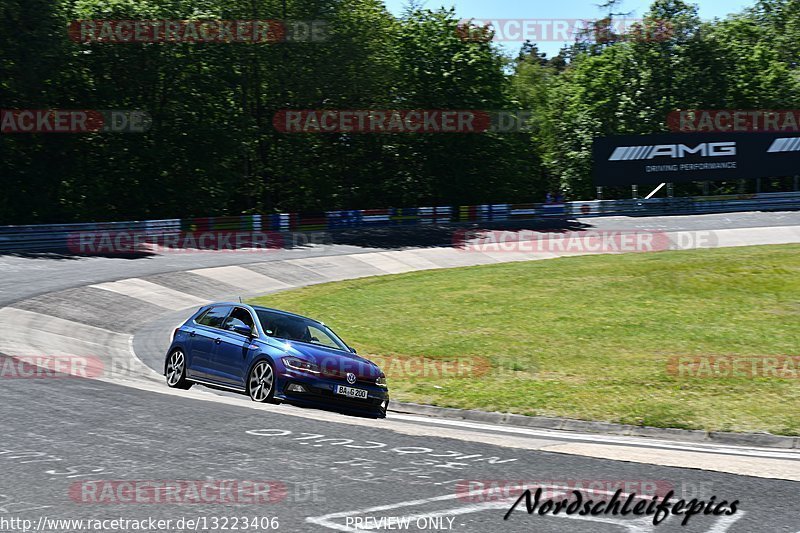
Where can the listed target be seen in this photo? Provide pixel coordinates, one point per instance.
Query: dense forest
(212, 148)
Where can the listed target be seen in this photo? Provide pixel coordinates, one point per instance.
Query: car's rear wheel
(261, 383)
(176, 371)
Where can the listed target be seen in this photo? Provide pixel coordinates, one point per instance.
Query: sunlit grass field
(583, 337)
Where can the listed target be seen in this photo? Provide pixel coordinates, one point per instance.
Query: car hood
(334, 363)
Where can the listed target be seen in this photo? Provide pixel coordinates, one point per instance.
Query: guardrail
(58, 237)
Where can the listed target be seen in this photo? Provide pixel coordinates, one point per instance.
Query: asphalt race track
(75, 448)
(89, 430)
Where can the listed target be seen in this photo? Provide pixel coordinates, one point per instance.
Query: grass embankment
(585, 337)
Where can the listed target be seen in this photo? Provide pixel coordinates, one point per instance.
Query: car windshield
(295, 328)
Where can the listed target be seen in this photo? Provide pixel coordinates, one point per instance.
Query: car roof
(270, 309)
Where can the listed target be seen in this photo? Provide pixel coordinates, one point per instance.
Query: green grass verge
(584, 337)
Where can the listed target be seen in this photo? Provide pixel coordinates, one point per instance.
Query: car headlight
(381, 382)
(298, 364)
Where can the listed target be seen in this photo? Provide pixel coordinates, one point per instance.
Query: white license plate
(350, 392)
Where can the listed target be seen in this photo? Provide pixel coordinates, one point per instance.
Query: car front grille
(335, 374)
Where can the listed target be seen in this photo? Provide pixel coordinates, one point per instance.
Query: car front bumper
(318, 391)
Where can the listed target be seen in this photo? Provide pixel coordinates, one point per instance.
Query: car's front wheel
(176, 371)
(261, 383)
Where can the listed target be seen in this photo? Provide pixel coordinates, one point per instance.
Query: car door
(230, 361)
(206, 334)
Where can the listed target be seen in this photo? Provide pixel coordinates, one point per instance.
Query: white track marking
(725, 522)
(152, 293)
(150, 372)
(334, 267)
(248, 280)
(27, 333)
(452, 257)
(414, 261)
(386, 263)
(599, 438)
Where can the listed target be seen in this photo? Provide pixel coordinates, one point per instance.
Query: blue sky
(556, 9)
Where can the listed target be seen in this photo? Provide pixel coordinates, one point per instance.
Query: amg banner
(671, 158)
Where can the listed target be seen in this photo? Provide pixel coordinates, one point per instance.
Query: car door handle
(217, 340)
(192, 334)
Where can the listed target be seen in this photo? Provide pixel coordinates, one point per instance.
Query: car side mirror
(353, 350)
(247, 331)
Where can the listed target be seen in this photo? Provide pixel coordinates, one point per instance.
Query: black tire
(261, 382)
(175, 370)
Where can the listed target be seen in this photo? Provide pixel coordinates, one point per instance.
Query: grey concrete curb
(765, 440)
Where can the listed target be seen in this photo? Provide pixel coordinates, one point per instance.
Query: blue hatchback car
(274, 356)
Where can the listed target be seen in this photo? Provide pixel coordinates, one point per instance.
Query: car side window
(320, 337)
(214, 317)
(290, 329)
(239, 317)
